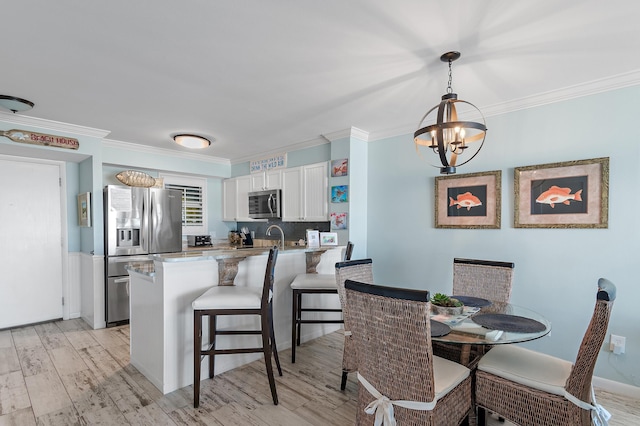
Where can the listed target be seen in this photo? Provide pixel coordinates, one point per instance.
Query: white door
(30, 243)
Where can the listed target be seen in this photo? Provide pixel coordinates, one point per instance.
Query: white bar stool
(235, 300)
(312, 283)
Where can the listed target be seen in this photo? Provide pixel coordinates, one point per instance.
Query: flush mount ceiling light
(192, 141)
(15, 104)
(448, 137)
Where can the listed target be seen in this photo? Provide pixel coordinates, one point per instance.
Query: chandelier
(444, 134)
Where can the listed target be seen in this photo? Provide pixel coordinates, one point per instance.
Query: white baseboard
(616, 387)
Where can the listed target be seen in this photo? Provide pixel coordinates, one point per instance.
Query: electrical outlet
(617, 344)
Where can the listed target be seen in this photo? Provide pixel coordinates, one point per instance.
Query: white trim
(72, 302)
(616, 387)
(110, 143)
(352, 132)
(619, 81)
(287, 148)
(66, 288)
(53, 125)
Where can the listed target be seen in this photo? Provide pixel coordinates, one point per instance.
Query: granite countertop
(204, 252)
(211, 253)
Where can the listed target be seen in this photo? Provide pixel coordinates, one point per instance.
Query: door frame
(64, 244)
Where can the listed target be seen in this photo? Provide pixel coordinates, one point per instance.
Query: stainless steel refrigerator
(137, 222)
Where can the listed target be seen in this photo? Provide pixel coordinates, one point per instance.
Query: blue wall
(556, 269)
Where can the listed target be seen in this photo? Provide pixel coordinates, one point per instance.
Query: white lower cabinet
(305, 193)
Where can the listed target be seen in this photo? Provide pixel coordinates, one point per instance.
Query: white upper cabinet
(271, 179)
(292, 194)
(235, 199)
(305, 193)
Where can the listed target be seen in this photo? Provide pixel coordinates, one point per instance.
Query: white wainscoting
(72, 301)
(92, 290)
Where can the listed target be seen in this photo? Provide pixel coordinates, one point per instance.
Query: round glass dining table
(498, 323)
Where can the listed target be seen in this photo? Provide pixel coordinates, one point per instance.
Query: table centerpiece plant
(445, 305)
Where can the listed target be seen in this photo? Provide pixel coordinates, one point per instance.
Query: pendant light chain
(449, 89)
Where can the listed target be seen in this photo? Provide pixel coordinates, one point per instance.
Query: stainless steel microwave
(265, 204)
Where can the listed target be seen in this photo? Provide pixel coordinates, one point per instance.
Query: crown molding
(619, 81)
(352, 132)
(293, 147)
(607, 84)
(323, 139)
(110, 143)
(55, 126)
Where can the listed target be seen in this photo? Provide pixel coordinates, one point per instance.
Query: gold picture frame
(468, 201)
(571, 194)
(84, 210)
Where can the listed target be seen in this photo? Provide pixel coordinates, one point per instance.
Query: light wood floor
(64, 373)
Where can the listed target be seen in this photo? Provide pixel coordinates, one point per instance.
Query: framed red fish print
(573, 194)
(468, 201)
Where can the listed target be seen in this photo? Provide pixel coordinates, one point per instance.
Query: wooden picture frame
(84, 210)
(572, 194)
(468, 201)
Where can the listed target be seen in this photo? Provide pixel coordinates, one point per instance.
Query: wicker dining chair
(312, 283)
(398, 375)
(532, 388)
(485, 279)
(357, 270)
(236, 300)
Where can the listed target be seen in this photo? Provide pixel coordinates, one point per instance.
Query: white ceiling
(261, 76)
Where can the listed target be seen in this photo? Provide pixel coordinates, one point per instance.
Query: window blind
(192, 204)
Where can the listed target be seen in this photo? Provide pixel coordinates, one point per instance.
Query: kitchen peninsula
(161, 323)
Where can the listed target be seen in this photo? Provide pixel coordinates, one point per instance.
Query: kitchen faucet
(279, 229)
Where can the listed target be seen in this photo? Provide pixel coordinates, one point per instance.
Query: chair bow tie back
(382, 407)
(599, 415)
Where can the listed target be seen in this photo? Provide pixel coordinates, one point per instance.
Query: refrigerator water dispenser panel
(128, 237)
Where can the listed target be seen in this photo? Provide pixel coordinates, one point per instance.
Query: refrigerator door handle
(144, 234)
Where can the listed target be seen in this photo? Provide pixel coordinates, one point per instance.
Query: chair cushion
(314, 281)
(229, 297)
(530, 368)
(447, 375)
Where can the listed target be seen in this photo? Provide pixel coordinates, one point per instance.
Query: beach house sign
(34, 138)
